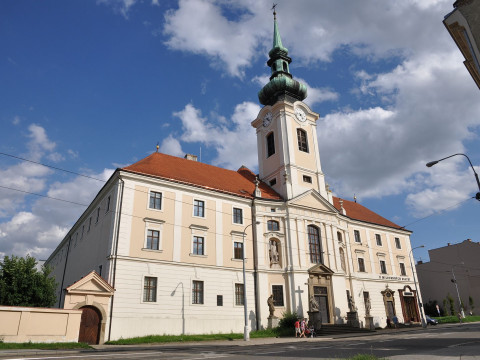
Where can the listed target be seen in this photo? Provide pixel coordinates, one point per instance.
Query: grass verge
(43, 346)
(454, 319)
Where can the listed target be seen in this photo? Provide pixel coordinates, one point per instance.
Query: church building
(161, 248)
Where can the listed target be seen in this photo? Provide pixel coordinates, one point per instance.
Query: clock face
(300, 114)
(267, 119)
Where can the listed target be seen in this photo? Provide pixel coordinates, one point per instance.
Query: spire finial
(157, 147)
(274, 12)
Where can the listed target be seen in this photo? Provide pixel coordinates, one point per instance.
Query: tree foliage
(22, 284)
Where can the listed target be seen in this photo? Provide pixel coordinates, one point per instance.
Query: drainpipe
(121, 182)
(64, 270)
(255, 264)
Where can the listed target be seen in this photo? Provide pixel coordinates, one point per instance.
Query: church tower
(288, 155)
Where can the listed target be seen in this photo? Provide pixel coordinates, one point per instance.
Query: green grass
(364, 357)
(43, 346)
(454, 319)
(173, 338)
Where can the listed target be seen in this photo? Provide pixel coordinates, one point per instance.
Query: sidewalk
(239, 342)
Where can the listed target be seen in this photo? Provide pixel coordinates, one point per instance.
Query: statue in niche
(271, 306)
(313, 304)
(351, 304)
(368, 306)
(273, 251)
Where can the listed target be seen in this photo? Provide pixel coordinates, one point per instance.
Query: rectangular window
(273, 225)
(307, 179)
(379, 239)
(402, 269)
(383, 267)
(239, 294)
(238, 250)
(98, 215)
(155, 200)
(197, 292)
(273, 182)
(397, 243)
(150, 289)
(356, 233)
(237, 216)
(219, 300)
(302, 140)
(270, 144)
(198, 245)
(277, 292)
(153, 239)
(107, 208)
(199, 208)
(361, 265)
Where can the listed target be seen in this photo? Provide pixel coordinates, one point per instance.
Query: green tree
(22, 284)
(451, 304)
(445, 307)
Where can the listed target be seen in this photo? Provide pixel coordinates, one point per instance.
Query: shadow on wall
(253, 320)
(338, 318)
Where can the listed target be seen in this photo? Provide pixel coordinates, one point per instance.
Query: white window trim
(148, 200)
(233, 216)
(376, 239)
(399, 243)
(202, 231)
(359, 236)
(400, 268)
(204, 292)
(234, 294)
(204, 208)
(283, 294)
(153, 224)
(143, 276)
(364, 266)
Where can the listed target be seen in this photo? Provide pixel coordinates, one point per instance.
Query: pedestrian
(297, 328)
(302, 328)
(395, 321)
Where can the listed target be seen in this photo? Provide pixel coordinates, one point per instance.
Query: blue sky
(90, 86)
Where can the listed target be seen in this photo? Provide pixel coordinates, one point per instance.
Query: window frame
(272, 228)
(270, 142)
(361, 264)
(196, 242)
(378, 240)
(198, 292)
(237, 216)
(151, 237)
(307, 179)
(197, 209)
(155, 200)
(315, 245)
(239, 294)
(403, 269)
(150, 291)
(302, 140)
(278, 295)
(236, 250)
(383, 267)
(398, 244)
(357, 237)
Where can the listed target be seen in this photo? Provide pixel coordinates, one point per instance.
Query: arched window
(285, 68)
(270, 144)
(302, 140)
(342, 259)
(273, 225)
(314, 245)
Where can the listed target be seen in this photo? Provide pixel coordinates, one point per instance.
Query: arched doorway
(90, 325)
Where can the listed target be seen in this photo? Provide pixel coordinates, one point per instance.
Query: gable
(320, 269)
(89, 284)
(313, 200)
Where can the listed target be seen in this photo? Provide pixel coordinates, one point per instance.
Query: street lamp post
(246, 330)
(424, 324)
(431, 163)
(458, 293)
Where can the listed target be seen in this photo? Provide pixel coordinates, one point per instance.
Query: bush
(286, 324)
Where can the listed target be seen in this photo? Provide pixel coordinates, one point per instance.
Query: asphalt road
(440, 342)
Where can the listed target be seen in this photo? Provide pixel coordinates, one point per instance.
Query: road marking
(87, 356)
(465, 343)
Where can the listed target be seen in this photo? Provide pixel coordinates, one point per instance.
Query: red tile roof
(359, 212)
(240, 183)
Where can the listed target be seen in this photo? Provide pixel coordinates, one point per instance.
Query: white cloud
(16, 120)
(172, 146)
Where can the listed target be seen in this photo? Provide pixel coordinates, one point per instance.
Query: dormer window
(302, 140)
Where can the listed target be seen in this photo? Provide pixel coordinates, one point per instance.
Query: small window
(356, 233)
(83, 231)
(155, 200)
(239, 294)
(237, 216)
(277, 292)
(273, 182)
(273, 225)
(197, 292)
(89, 224)
(153, 239)
(383, 267)
(150, 289)
(199, 208)
(307, 179)
(219, 300)
(198, 245)
(270, 144)
(402, 269)
(107, 208)
(302, 140)
(339, 236)
(98, 215)
(379, 239)
(238, 250)
(397, 243)
(285, 68)
(272, 210)
(361, 265)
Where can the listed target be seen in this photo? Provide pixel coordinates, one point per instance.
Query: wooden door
(89, 326)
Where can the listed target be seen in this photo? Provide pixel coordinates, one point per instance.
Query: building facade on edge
(452, 271)
(167, 234)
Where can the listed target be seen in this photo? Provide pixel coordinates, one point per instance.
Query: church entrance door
(89, 326)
